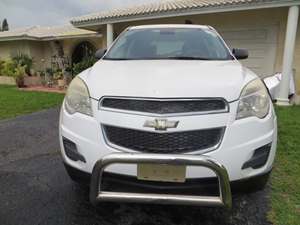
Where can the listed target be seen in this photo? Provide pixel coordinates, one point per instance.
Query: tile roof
(166, 6)
(44, 33)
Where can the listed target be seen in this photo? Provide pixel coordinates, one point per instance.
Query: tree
(5, 25)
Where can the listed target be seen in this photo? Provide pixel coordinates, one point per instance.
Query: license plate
(161, 172)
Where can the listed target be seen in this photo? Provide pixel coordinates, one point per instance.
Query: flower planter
(7, 80)
(61, 83)
(32, 81)
(20, 82)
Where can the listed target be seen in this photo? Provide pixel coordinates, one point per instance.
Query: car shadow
(248, 208)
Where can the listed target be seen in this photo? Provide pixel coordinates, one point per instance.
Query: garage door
(260, 42)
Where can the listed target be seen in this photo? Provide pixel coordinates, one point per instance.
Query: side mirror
(100, 53)
(240, 53)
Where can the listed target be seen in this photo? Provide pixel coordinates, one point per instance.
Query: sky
(23, 13)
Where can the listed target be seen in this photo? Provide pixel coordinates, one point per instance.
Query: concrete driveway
(35, 189)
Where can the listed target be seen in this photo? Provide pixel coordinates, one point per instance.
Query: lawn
(285, 182)
(14, 102)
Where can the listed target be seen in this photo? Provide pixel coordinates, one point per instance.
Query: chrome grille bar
(97, 195)
(164, 106)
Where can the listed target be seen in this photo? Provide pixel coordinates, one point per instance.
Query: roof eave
(186, 12)
(52, 38)
(19, 38)
(71, 36)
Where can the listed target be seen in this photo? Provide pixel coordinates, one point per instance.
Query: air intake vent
(166, 106)
(175, 142)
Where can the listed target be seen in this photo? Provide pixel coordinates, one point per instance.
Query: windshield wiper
(161, 58)
(107, 58)
(187, 58)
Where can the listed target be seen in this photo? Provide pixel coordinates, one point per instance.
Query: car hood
(167, 78)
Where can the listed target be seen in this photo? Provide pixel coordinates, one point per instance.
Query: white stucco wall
(42, 51)
(8, 48)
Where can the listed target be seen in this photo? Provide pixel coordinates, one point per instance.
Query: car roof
(155, 26)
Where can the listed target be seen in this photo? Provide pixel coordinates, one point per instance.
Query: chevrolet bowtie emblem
(161, 124)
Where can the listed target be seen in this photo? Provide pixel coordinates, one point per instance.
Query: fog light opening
(71, 151)
(259, 157)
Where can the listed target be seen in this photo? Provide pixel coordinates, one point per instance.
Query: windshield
(169, 43)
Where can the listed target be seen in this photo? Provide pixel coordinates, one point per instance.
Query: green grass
(14, 102)
(285, 182)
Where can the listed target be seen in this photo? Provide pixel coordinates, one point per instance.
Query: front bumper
(97, 194)
(241, 139)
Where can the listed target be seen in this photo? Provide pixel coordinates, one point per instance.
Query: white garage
(261, 42)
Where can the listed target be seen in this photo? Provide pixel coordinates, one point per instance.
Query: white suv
(168, 111)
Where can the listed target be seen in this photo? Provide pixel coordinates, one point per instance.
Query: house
(267, 28)
(44, 44)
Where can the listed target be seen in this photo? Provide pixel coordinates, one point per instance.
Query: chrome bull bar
(97, 195)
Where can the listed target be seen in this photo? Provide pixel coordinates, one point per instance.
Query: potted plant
(48, 77)
(58, 75)
(19, 75)
(1, 66)
(68, 75)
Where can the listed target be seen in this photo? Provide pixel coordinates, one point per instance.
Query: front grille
(175, 142)
(164, 106)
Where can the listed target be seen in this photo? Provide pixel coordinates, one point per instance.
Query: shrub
(8, 68)
(1, 66)
(87, 62)
(12, 69)
(49, 71)
(58, 75)
(23, 60)
(19, 75)
(19, 71)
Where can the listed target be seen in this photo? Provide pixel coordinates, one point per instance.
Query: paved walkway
(29, 135)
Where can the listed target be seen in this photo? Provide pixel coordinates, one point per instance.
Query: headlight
(254, 100)
(78, 98)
